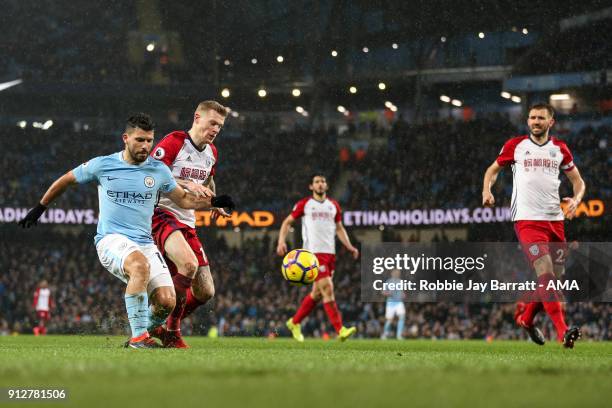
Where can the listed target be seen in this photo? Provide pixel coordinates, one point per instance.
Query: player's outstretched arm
(55, 190)
(346, 241)
(579, 188)
(489, 179)
(195, 188)
(281, 247)
(190, 201)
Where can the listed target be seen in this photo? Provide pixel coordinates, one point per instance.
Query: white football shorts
(113, 249)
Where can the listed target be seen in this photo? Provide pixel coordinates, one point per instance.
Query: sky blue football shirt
(127, 194)
(395, 296)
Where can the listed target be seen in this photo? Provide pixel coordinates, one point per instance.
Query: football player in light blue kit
(128, 186)
(394, 307)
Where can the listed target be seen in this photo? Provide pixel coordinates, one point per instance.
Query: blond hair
(212, 105)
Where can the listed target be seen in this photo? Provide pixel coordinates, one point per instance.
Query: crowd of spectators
(437, 165)
(251, 297)
(85, 42)
(105, 42)
(265, 168)
(577, 49)
(441, 165)
(434, 165)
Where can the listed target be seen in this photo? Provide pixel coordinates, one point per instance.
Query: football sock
(334, 315)
(181, 284)
(138, 313)
(154, 320)
(400, 326)
(387, 328)
(191, 303)
(552, 306)
(531, 310)
(305, 308)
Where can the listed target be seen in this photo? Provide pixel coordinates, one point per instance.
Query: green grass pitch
(265, 373)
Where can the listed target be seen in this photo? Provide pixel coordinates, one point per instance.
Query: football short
(393, 309)
(164, 224)
(539, 238)
(43, 314)
(327, 266)
(113, 249)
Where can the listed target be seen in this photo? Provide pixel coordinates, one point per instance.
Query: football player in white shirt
(321, 222)
(192, 158)
(536, 161)
(42, 304)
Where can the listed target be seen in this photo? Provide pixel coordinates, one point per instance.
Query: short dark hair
(316, 174)
(141, 121)
(543, 105)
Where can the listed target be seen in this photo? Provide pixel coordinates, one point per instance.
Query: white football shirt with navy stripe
(187, 162)
(535, 170)
(319, 219)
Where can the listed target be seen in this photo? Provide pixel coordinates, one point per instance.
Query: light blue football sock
(138, 312)
(387, 328)
(400, 326)
(154, 320)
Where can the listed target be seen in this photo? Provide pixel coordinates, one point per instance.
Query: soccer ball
(300, 267)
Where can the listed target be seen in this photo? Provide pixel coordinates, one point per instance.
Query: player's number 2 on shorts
(560, 256)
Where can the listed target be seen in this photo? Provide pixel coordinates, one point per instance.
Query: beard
(138, 157)
(538, 132)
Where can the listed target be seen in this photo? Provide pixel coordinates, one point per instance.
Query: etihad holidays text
(413, 264)
(433, 216)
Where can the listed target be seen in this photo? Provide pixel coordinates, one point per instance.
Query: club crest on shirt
(149, 181)
(534, 250)
(553, 152)
(159, 153)
(322, 268)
